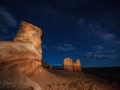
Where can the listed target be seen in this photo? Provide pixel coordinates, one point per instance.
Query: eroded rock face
(78, 66)
(30, 34)
(74, 67)
(68, 65)
(22, 55)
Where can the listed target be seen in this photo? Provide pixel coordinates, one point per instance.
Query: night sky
(88, 30)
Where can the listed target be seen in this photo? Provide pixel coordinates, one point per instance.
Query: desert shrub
(64, 84)
(93, 87)
(49, 85)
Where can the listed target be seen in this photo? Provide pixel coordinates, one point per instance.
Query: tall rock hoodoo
(70, 66)
(20, 59)
(29, 34)
(77, 66)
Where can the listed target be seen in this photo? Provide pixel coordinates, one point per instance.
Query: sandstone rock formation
(29, 34)
(74, 67)
(46, 65)
(21, 58)
(68, 65)
(77, 66)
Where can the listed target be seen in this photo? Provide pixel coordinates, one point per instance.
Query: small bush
(49, 85)
(64, 84)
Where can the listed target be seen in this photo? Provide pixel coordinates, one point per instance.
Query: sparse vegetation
(64, 84)
(49, 85)
(75, 81)
(93, 87)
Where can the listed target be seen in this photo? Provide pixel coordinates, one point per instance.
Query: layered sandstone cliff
(68, 65)
(21, 58)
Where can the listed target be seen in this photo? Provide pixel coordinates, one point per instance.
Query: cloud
(109, 51)
(80, 22)
(61, 48)
(100, 57)
(107, 36)
(102, 32)
(57, 64)
(45, 47)
(66, 47)
(101, 54)
(98, 47)
(6, 20)
(88, 54)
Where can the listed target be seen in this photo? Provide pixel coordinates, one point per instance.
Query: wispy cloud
(100, 47)
(45, 47)
(80, 22)
(101, 54)
(59, 48)
(100, 30)
(105, 36)
(66, 47)
(6, 20)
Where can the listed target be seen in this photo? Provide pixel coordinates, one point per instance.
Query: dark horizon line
(90, 67)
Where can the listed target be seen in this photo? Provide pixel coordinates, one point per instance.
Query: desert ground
(87, 79)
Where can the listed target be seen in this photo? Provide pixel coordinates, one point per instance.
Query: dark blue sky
(85, 29)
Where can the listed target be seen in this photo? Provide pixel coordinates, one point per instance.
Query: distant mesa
(68, 65)
(1, 39)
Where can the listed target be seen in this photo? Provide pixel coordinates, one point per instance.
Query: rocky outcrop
(21, 58)
(29, 34)
(77, 66)
(68, 65)
(46, 65)
(74, 67)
